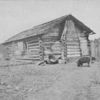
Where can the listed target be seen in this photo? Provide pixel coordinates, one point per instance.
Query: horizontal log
(56, 48)
(71, 38)
(46, 42)
(50, 39)
(32, 39)
(72, 41)
(82, 38)
(35, 44)
(73, 50)
(73, 55)
(72, 44)
(47, 45)
(83, 42)
(34, 47)
(50, 34)
(30, 42)
(58, 53)
(32, 53)
(72, 47)
(84, 46)
(35, 57)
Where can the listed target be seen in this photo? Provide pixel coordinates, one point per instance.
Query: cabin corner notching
(64, 37)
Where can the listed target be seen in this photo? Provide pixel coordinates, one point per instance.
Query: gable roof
(40, 29)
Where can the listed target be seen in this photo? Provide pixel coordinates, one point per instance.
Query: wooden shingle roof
(43, 28)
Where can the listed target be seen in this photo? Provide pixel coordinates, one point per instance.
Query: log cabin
(64, 37)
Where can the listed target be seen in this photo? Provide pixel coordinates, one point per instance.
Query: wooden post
(63, 41)
(79, 45)
(41, 50)
(89, 46)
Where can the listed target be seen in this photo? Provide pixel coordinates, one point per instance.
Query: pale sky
(19, 15)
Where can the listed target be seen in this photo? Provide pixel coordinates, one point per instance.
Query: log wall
(33, 48)
(50, 44)
(72, 47)
(74, 41)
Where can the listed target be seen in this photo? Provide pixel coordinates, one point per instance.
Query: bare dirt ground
(51, 82)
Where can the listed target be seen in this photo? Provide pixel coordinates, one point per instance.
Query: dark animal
(93, 59)
(83, 60)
